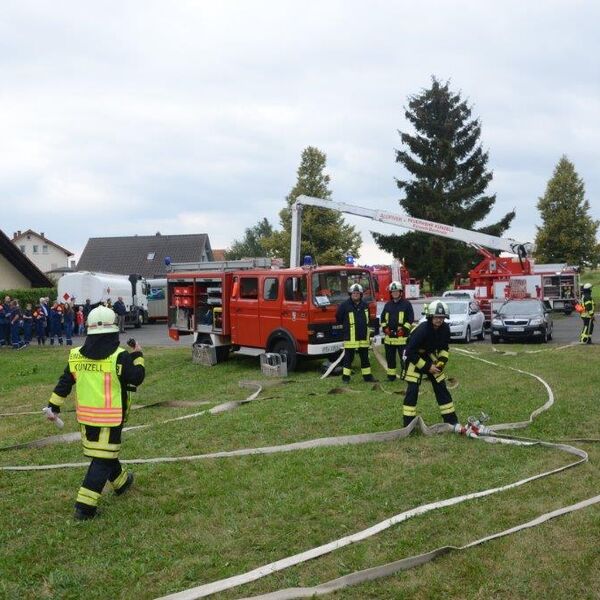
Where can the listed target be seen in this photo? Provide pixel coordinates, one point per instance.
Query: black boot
(126, 485)
(84, 512)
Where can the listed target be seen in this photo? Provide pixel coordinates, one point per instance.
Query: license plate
(515, 328)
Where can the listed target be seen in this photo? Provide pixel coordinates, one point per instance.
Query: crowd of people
(55, 323)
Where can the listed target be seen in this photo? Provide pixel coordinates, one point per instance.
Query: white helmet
(587, 286)
(356, 287)
(437, 308)
(395, 286)
(102, 320)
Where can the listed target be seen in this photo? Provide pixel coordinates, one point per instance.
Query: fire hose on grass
(475, 428)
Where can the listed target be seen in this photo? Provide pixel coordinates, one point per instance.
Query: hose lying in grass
(412, 561)
(76, 436)
(228, 583)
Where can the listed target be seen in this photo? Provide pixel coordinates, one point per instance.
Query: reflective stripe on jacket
(98, 389)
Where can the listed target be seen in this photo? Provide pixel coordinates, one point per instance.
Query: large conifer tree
(448, 185)
(567, 233)
(325, 235)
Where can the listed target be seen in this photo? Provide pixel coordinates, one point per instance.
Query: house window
(44, 249)
(22, 248)
(35, 248)
(150, 256)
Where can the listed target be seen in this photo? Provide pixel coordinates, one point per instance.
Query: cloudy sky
(188, 116)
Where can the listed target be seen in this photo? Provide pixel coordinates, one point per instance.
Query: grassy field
(188, 523)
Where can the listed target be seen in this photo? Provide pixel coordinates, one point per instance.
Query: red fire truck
(250, 307)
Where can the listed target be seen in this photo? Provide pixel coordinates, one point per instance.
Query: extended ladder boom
(473, 238)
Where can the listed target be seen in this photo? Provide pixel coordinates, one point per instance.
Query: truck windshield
(333, 285)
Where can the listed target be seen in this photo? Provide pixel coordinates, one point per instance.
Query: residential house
(45, 254)
(143, 254)
(16, 270)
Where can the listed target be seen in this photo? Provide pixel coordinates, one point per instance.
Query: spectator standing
(27, 324)
(80, 321)
(16, 322)
(56, 323)
(68, 320)
(41, 323)
(121, 311)
(5, 323)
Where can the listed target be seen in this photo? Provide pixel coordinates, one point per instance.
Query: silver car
(466, 319)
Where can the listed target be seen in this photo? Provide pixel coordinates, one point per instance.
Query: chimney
(158, 233)
(41, 233)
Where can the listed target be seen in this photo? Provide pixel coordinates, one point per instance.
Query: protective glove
(52, 416)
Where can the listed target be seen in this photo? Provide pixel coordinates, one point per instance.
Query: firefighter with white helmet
(396, 323)
(427, 354)
(587, 314)
(353, 314)
(103, 374)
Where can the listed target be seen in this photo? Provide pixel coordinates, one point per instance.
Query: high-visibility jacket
(99, 400)
(355, 320)
(396, 321)
(426, 346)
(588, 307)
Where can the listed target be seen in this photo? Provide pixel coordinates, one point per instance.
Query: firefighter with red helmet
(103, 374)
(426, 354)
(396, 323)
(587, 314)
(353, 314)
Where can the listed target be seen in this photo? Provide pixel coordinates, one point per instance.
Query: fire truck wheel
(285, 348)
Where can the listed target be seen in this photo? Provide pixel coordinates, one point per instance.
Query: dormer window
(150, 256)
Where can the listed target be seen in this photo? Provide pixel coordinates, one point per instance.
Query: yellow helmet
(102, 320)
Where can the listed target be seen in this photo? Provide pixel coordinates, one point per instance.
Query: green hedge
(32, 295)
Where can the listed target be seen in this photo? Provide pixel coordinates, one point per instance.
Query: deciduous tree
(325, 235)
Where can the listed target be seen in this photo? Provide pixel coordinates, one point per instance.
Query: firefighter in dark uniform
(103, 374)
(427, 354)
(353, 314)
(396, 323)
(587, 315)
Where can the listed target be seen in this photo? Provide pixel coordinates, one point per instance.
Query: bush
(32, 295)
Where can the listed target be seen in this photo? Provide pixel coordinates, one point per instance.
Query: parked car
(527, 319)
(466, 319)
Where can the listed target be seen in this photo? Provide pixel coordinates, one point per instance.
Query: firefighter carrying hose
(103, 374)
(587, 314)
(396, 323)
(427, 354)
(353, 314)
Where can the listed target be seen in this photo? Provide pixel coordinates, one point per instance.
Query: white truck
(104, 287)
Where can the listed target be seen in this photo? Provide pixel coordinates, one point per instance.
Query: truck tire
(286, 348)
